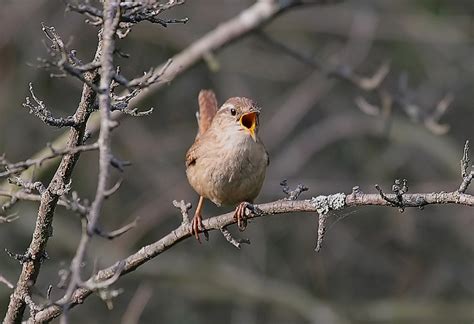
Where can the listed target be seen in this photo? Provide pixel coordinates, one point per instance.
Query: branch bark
(146, 253)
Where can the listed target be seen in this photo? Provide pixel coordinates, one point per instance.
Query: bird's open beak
(249, 122)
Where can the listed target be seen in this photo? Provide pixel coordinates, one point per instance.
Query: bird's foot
(198, 227)
(240, 214)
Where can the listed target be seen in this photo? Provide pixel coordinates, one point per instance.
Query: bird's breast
(230, 171)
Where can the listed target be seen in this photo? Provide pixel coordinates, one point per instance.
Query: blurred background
(377, 265)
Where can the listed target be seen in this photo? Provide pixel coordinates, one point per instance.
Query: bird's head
(239, 113)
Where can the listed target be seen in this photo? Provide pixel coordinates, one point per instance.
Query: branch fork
(323, 204)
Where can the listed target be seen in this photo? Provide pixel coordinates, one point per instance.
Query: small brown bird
(227, 161)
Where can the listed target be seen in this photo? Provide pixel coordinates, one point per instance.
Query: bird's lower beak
(249, 122)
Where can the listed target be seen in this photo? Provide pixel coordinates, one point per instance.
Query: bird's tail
(207, 110)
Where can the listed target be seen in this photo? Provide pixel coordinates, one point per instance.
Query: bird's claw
(197, 227)
(240, 214)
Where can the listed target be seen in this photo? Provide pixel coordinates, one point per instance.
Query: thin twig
(184, 207)
(39, 109)
(6, 282)
(14, 168)
(293, 194)
(8, 218)
(235, 242)
(118, 232)
(137, 304)
(465, 174)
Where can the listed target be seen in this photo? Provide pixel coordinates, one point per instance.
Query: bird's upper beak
(249, 122)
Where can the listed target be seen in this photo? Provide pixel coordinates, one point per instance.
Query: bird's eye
(233, 111)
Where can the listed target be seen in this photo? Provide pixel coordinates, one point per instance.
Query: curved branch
(148, 252)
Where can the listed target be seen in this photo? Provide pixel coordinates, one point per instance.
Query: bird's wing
(192, 154)
(207, 110)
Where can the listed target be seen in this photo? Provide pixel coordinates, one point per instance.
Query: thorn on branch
(184, 208)
(292, 194)
(235, 242)
(118, 232)
(8, 218)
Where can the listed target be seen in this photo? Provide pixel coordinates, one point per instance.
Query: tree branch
(38, 108)
(111, 19)
(14, 168)
(49, 200)
(73, 204)
(284, 206)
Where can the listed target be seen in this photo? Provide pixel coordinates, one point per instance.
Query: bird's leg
(240, 214)
(197, 220)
